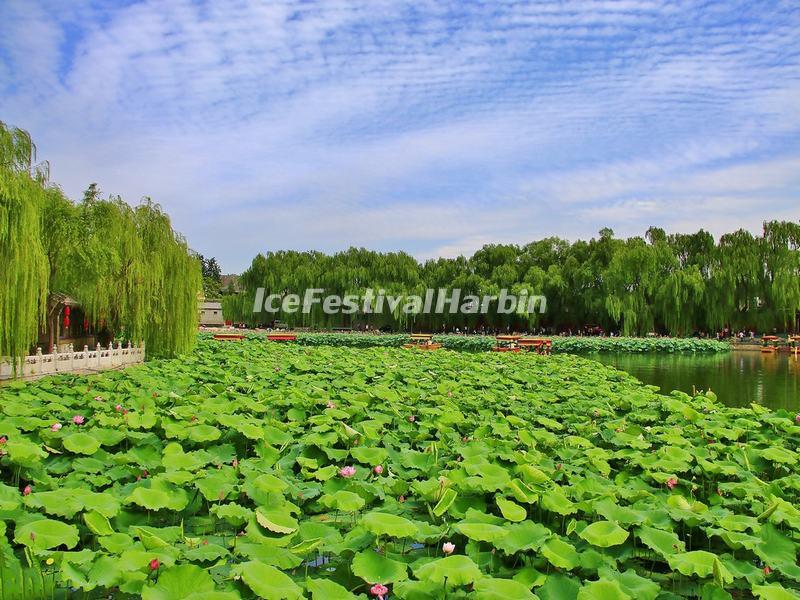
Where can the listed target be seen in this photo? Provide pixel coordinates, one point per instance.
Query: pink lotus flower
(767, 570)
(797, 419)
(78, 419)
(378, 469)
(379, 590)
(27, 490)
(154, 564)
(448, 548)
(331, 404)
(3, 440)
(672, 482)
(55, 426)
(347, 471)
(118, 408)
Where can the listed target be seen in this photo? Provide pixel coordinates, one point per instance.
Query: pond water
(738, 378)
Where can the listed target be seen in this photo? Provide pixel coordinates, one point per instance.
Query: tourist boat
(422, 341)
(536, 345)
(507, 343)
(769, 344)
(794, 345)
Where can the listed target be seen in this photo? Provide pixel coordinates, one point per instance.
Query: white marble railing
(98, 359)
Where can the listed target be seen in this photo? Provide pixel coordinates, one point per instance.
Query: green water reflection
(738, 378)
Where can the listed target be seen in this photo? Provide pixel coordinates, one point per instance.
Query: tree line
(131, 272)
(675, 284)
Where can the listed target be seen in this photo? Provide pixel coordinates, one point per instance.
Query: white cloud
(430, 127)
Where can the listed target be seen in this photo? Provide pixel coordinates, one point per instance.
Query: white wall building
(211, 314)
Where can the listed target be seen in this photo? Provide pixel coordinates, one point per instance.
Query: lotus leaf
(455, 570)
(372, 567)
(268, 582)
(604, 534)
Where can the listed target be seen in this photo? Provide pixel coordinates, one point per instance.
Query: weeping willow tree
(736, 283)
(172, 279)
(135, 276)
(781, 249)
(61, 242)
(630, 284)
(23, 264)
(108, 274)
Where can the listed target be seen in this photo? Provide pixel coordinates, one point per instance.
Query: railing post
(71, 351)
(99, 351)
(37, 369)
(85, 356)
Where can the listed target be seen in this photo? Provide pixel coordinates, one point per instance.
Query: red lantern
(66, 310)
(66, 322)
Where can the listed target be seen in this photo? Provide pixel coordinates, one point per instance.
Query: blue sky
(432, 127)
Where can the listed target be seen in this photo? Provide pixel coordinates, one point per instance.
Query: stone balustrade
(74, 361)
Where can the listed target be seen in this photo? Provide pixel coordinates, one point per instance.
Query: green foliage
(674, 284)
(552, 476)
(626, 344)
(23, 263)
(475, 343)
(212, 277)
(133, 275)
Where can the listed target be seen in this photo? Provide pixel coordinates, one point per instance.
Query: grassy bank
(284, 471)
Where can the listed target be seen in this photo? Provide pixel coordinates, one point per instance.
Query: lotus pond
(281, 471)
(737, 378)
